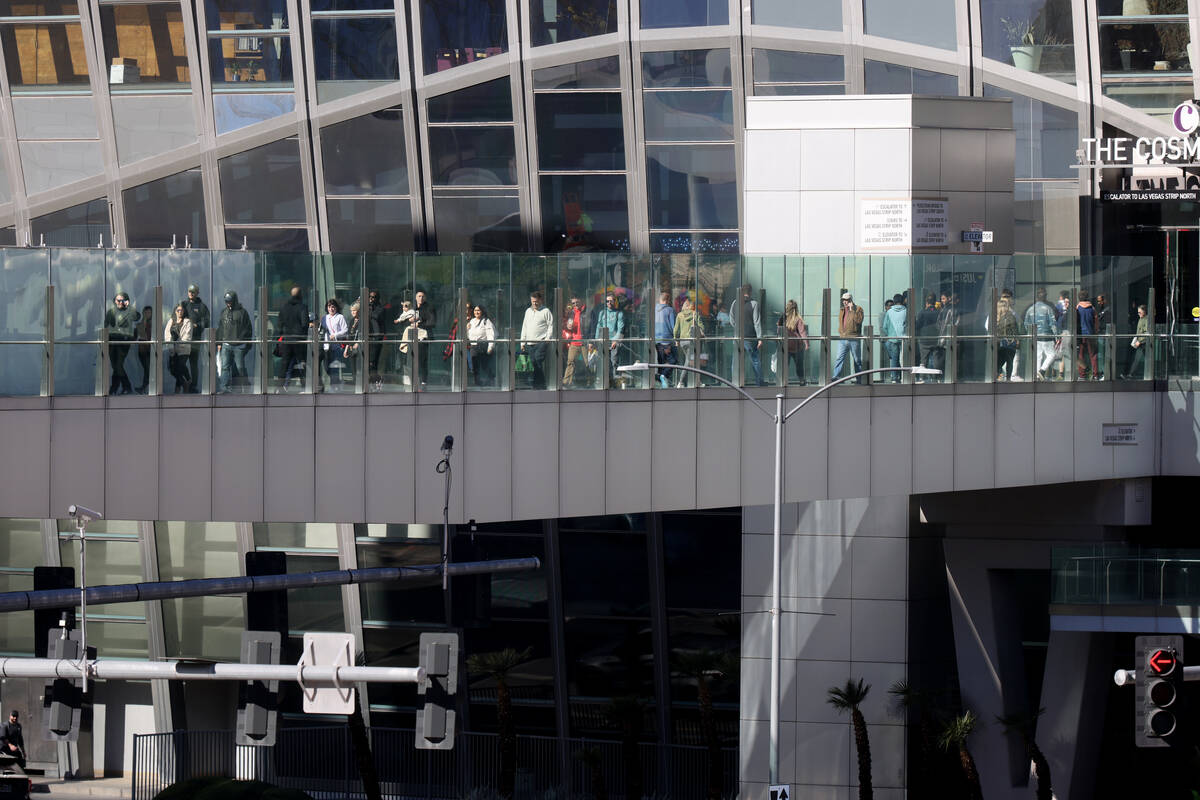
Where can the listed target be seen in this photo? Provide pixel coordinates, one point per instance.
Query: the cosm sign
(1124, 151)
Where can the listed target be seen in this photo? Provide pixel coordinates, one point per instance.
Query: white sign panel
(1121, 433)
(930, 223)
(885, 223)
(328, 650)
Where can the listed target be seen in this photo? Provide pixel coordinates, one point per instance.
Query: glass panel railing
(23, 368)
(1124, 575)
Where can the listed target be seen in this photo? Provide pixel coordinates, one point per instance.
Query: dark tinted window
(580, 131)
(599, 73)
(285, 240)
(370, 225)
(171, 206)
(585, 212)
(686, 68)
(487, 102)
(684, 13)
(692, 187)
(478, 224)
(480, 156)
(79, 226)
(884, 78)
(263, 184)
(355, 49)
(784, 66)
(564, 20)
(455, 32)
(689, 116)
(366, 155)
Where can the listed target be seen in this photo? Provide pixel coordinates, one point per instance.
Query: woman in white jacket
(177, 338)
(333, 331)
(481, 334)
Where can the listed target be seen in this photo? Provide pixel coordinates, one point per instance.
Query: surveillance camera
(83, 513)
(447, 445)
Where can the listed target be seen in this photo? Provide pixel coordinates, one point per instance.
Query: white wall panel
(628, 479)
(805, 443)
(891, 445)
(1054, 429)
(76, 460)
(1093, 461)
(25, 480)
(487, 480)
(817, 566)
(1180, 433)
(289, 464)
(820, 753)
(674, 442)
(1142, 408)
(772, 160)
(339, 461)
(878, 630)
(581, 479)
(185, 460)
(391, 474)
(933, 444)
(719, 454)
(436, 422)
(1015, 443)
(757, 450)
(850, 447)
(237, 464)
(974, 441)
(535, 456)
(879, 568)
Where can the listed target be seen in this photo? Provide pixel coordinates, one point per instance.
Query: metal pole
(777, 573)
(81, 525)
(177, 670)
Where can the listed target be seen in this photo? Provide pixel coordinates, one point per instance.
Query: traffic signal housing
(435, 719)
(63, 698)
(258, 701)
(1158, 703)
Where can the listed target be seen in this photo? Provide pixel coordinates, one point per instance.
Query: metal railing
(321, 762)
(1113, 574)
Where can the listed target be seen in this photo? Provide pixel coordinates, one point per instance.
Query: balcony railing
(62, 334)
(1110, 574)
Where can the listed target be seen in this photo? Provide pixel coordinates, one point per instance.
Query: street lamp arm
(642, 366)
(852, 376)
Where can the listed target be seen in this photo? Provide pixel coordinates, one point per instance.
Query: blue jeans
(752, 358)
(893, 352)
(233, 364)
(854, 347)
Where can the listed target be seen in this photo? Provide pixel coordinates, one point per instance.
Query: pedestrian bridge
(251, 442)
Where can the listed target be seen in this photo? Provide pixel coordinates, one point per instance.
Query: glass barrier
(1124, 575)
(96, 322)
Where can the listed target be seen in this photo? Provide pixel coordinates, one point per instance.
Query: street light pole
(779, 418)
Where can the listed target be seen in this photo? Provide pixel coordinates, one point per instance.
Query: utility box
(878, 174)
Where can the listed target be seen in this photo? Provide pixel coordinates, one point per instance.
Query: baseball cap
(194, 288)
(847, 296)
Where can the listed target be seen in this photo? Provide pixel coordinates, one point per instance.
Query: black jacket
(234, 324)
(10, 733)
(293, 318)
(198, 313)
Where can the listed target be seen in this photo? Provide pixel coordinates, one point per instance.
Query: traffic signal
(435, 719)
(258, 701)
(62, 700)
(1159, 698)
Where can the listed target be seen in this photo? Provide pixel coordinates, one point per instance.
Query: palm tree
(702, 666)
(849, 698)
(1023, 725)
(954, 737)
(497, 665)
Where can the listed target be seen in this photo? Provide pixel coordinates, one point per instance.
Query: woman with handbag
(333, 331)
(1007, 331)
(481, 334)
(178, 337)
(688, 328)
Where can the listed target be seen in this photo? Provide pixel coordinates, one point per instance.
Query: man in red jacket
(572, 334)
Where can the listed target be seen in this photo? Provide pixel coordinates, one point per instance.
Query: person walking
(177, 337)
(1007, 332)
(689, 327)
(850, 322)
(1040, 321)
(201, 319)
(537, 330)
(797, 337)
(1086, 316)
(1138, 346)
(572, 335)
(481, 334)
(664, 333)
(120, 322)
(895, 326)
(12, 739)
(333, 333)
(612, 319)
(748, 325)
(233, 341)
(293, 325)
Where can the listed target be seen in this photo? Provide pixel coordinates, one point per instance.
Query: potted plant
(1026, 38)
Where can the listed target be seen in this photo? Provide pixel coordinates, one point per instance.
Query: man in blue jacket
(1087, 331)
(664, 333)
(895, 326)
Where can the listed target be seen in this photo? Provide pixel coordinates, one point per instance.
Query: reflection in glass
(250, 59)
(580, 131)
(1033, 35)
(564, 20)
(44, 54)
(456, 32)
(786, 66)
(697, 242)
(263, 184)
(168, 207)
(1156, 99)
(689, 116)
(349, 5)
(225, 15)
(365, 155)
(370, 225)
(208, 627)
(478, 223)
(884, 78)
(315, 608)
(1047, 136)
(233, 111)
(686, 68)
(483, 156)
(24, 275)
(684, 13)
(485, 102)
(83, 225)
(39, 8)
(584, 212)
(143, 44)
(692, 187)
(824, 15)
(284, 240)
(927, 22)
(1152, 47)
(148, 124)
(598, 73)
(355, 49)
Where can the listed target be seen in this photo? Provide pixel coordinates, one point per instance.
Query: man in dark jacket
(233, 334)
(292, 325)
(198, 313)
(381, 316)
(120, 321)
(427, 321)
(1086, 334)
(12, 740)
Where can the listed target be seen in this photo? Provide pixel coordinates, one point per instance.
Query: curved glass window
(365, 155)
(456, 32)
(1033, 35)
(169, 207)
(783, 72)
(79, 226)
(884, 78)
(599, 73)
(478, 222)
(689, 116)
(822, 15)
(355, 49)
(46, 53)
(248, 41)
(585, 212)
(552, 21)
(369, 225)
(927, 22)
(475, 156)
(686, 69)
(1047, 136)
(580, 131)
(692, 187)
(144, 46)
(684, 13)
(485, 102)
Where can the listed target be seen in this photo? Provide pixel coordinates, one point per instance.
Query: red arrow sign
(1162, 662)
